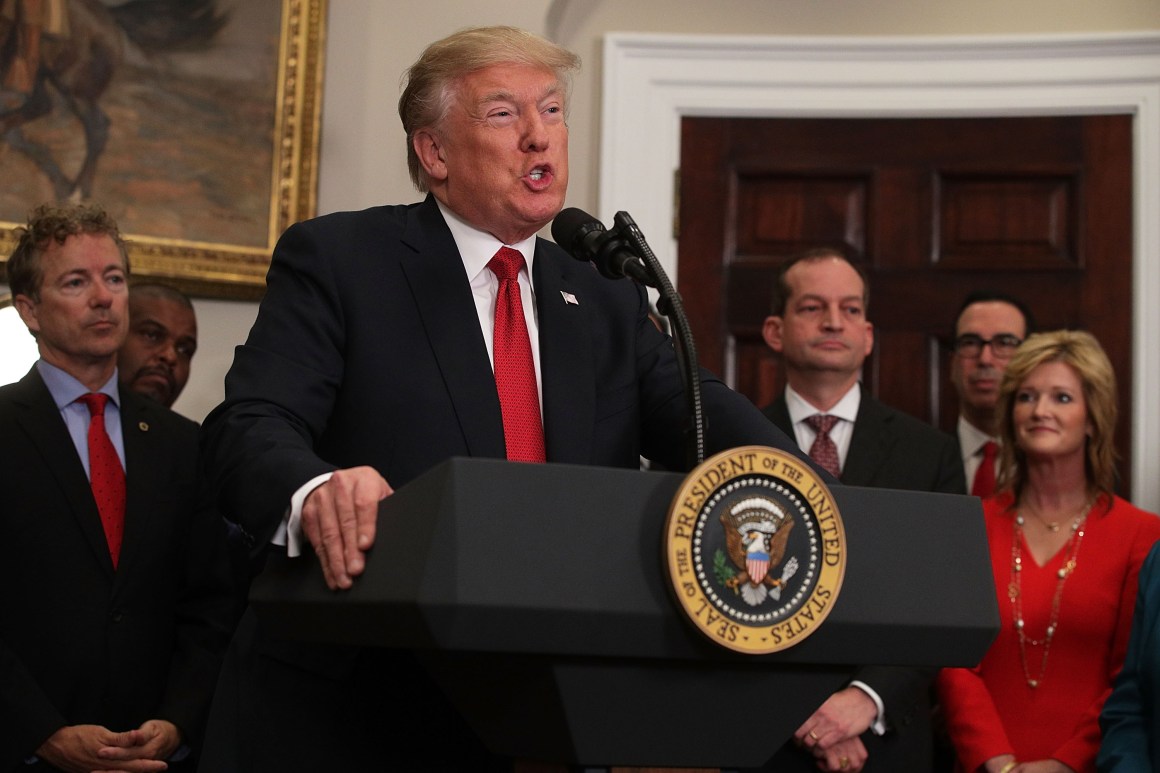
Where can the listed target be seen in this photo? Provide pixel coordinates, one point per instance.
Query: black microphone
(586, 239)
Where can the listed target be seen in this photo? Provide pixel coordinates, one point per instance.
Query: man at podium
(392, 339)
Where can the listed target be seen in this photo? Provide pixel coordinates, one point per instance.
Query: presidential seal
(756, 549)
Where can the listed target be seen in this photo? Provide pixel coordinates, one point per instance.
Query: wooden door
(932, 208)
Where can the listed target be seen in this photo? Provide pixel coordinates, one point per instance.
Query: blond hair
(431, 81)
(1081, 352)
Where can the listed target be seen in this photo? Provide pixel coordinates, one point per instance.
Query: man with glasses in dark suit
(989, 327)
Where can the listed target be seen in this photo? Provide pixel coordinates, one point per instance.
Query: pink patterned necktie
(984, 482)
(106, 476)
(823, 451)
(515, 375)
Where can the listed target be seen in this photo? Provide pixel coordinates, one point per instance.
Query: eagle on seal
(756, 533)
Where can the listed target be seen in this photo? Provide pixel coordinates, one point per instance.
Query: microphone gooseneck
(624, 252)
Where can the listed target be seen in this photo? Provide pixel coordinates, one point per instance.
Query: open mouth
(539, 176)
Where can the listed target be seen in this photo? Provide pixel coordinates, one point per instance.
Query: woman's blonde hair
(1081, 352)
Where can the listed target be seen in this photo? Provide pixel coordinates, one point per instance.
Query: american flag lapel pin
(569, 298)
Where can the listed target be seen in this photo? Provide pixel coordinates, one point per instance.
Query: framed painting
(195, 124)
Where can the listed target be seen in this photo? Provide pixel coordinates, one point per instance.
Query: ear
(26, 308)
(869, 339)
(429, 148)
(771, 332)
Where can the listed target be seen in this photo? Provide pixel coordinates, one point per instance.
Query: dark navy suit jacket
(367, 350)
(81, 643)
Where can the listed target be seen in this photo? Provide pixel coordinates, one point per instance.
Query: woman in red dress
(1065, 552)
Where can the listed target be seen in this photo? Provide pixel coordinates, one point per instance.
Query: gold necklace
(1015, 592)
(1052, 526)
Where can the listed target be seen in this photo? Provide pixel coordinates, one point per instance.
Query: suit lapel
(442, 294)
(778, 413)
(144, 475)
(566, 361)
(46, 430)
(869, 445)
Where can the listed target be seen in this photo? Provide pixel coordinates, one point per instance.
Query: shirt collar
(477, 248)
(65, 389)
(845, 409)
(971, 437)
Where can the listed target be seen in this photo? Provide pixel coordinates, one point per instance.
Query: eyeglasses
(971, 346)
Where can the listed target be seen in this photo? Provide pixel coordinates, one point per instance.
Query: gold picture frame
(214, 219)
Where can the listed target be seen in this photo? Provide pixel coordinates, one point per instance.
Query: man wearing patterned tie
(115, 594)
(392, 339)
(819, 328)
(988, 328)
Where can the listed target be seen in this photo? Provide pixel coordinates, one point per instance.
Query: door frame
(652, 81)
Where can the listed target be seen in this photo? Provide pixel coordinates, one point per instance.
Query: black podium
(538, 597)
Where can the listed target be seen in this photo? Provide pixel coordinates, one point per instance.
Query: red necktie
(823, 451)
(105, 474)
(515, 375)
(984, 483)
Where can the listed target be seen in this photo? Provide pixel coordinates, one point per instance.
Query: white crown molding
(651, 81)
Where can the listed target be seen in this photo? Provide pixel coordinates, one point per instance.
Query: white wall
(371, 42)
